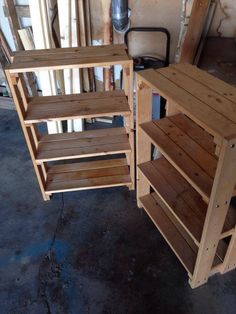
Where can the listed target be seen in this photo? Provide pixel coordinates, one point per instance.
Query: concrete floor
(87, 252)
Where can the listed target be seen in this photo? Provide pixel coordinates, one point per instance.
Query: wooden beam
(107, 39)
(143, 151)
(26, 37)
(14, 23)
(83, 41)
(194, 31)
(43, 40)
(6, 47)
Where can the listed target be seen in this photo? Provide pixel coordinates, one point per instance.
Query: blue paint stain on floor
(35, 251)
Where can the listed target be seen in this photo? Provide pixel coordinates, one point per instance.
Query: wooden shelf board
(169, 231)
(87, 175)
(83, 144)
(211, 120)
(177, 194)
(212, 99)
(63, 58)
(191, 159)
(85, 105)
(213, 83)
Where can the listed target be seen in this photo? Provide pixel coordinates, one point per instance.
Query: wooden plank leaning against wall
(69, 36)
(15, 25)
(39, 11)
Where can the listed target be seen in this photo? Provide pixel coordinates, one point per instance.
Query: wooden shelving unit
(187, 191)
(48, 151)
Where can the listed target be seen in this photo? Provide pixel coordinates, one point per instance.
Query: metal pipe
(120, 15)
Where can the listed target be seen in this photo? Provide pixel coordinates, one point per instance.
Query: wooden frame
(66, 146)
(193, 182)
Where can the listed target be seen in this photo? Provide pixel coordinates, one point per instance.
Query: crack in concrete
(49, 269)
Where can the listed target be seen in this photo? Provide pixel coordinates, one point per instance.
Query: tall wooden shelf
(48, 151)
(187, 191)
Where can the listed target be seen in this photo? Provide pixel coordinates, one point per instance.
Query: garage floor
(87, 252)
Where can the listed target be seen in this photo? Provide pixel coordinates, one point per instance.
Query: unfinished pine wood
(30, 138)
(202, 114)
(73, 177)
(220, 87)
(222, 191)
(176, 241)
(82, 144)
(64, 107)
(213, 100)
(143, 114)
(196, 133)
(180, 159)
(83, 57)
(129, 121)
(195, 178)
(177, 194)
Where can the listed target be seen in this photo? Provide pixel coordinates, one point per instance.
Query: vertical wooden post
(129, 122)
(14, 24)
(108, 38)
(221, 194)
(143, 144)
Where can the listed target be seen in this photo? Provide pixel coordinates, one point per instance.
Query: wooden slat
(199, 112)
(212, 99)
(197, 134)
(206, 161)
(82, 178)
(190, 170)
(171, 234)
(84, 57)
(143, 147)
(87, 165)
(82, 146)
(194, 30)
(222, 191)
(14, 23)
(81, 135)
(222, 88)
(181, 199)
(93, 50)
(68, 107)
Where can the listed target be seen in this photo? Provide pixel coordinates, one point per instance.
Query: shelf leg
(222, 191)
(143, 144)
(30, 132)
(129, 122)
